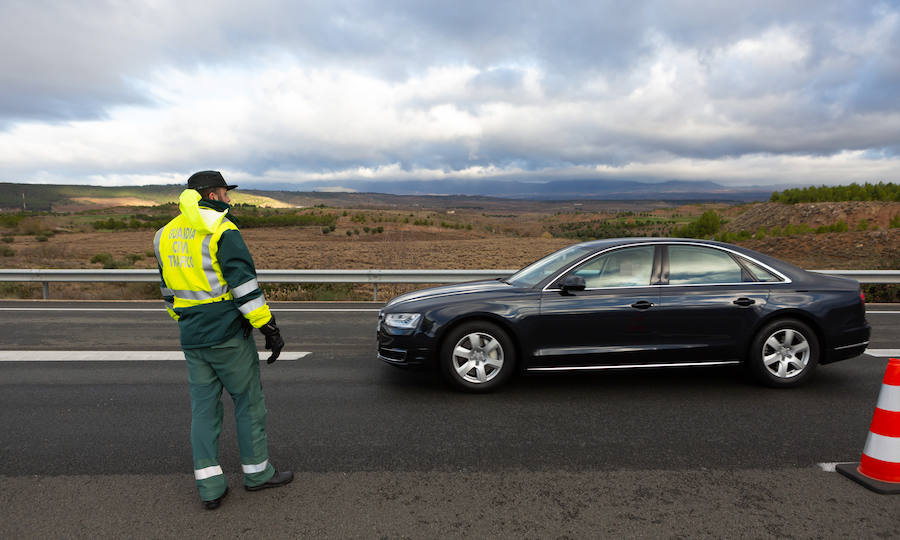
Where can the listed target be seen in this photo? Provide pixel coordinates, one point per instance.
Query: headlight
(402, 320)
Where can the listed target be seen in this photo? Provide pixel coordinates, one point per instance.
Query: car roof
(762, 257)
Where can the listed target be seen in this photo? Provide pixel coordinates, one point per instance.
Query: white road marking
(871, 312)
(832, 467)
(76, 309)
(116, 356)
(892, 353)
(163, 311)
(331, 310)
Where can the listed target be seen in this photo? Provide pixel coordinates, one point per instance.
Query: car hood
(450, 290)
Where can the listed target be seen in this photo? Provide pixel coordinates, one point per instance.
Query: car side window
(689, 265)
(629, 267)
(761, 273)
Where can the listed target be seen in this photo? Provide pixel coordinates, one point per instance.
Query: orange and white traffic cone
(879, 467)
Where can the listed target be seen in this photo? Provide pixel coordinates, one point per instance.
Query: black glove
(273, 339)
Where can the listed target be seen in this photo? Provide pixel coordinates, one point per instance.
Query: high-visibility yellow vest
(186, 249)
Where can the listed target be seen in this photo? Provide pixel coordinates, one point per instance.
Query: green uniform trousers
(233, 364)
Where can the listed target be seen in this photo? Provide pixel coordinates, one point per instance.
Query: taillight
(862, 296)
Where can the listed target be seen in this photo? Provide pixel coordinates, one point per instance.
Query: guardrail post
(45, 288)
(375, 294)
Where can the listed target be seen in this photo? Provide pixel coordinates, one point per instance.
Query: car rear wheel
(477, 357)
(784, 353)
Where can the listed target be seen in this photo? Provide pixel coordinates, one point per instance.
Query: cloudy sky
(764, 92)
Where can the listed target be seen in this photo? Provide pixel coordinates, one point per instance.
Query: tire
(477, 356)
(784, 354)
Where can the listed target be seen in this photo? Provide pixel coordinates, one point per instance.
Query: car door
(609, 322)
(709, 304)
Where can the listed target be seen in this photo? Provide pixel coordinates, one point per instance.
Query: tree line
(854, 192)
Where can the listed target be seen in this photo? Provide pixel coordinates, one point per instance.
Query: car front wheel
(784, 353)
(477, 357)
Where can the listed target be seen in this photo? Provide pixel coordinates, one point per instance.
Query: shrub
(8, 239)
(326, 230)
(862, 225)
(895, 222)
(42, 238)
(107, 261)
(707, 225)
(10, 220)
(7, 251)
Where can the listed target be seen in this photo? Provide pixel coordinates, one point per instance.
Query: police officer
(209, 286)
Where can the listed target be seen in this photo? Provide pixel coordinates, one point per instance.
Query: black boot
(213, 504)
(278, 479)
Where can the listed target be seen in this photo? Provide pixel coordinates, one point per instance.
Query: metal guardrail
(47, 276)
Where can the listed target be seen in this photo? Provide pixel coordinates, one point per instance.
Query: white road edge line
(117, 356)
(162, 310)
(883, 353)
(832, 467)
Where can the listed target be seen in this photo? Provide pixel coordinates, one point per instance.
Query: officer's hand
(247, 328)
(274, 342)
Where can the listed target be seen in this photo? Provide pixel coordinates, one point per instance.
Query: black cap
(207, 179)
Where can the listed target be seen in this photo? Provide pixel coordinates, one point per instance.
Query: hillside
(64, 198)
(752, 217)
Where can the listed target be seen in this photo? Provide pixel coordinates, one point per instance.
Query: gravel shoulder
(514, 504)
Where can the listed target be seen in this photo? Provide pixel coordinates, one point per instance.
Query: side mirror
(571, 283)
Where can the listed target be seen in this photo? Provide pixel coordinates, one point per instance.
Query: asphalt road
(98, 448)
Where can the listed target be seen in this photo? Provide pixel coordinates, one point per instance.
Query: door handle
(643, 304)
(744, 302)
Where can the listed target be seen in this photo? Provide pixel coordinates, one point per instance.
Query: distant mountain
(549, 190)
(66, 197)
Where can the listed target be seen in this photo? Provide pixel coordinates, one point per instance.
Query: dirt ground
(300, 248)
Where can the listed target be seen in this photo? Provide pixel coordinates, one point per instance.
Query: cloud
(769, 92)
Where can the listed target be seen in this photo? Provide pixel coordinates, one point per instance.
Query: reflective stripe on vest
(180, 267)
(256, 303)
(245, 289)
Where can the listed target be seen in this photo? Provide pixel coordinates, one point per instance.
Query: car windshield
(536, 272)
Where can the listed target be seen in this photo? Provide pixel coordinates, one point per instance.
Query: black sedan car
(630, 303)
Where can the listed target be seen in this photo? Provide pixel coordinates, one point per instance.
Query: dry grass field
(461, 238)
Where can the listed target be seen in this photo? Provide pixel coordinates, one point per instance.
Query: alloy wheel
(477, 357)
(786, 353)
